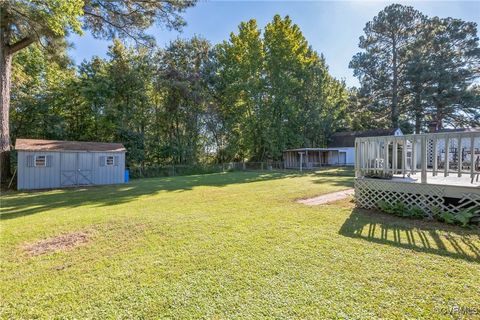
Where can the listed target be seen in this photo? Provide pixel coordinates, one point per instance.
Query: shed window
(109, 161)
(40, 161)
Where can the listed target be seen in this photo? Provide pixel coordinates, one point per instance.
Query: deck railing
(436, 153)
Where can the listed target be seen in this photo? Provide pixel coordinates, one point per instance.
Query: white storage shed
(47, 164)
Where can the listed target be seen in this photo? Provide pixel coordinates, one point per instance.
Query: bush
(464, 218)
(417, 212)
(398, 208)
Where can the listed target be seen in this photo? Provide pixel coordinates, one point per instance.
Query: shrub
(400, 209)
(446, 217)
(384, 206)
(464, 217)
(417, 212)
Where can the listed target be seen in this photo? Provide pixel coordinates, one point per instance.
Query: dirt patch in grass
(327, 198)
(59, 243)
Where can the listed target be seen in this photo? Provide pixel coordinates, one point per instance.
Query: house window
(109, 161)
(40, 161)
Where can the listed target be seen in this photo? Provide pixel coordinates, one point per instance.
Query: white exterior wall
(108, 174)
(350, 156)
(334, 157)
(37, 177)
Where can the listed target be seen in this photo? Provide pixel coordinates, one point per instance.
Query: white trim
(44, 161)
(106, 161)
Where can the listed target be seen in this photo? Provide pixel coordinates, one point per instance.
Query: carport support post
(306, 158)
(301, 161)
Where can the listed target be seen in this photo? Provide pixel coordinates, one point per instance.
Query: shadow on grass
(421, 236)
(344, 176)
(18, 204)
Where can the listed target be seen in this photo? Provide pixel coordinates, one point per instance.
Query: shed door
(68, 169)
(76, 169)
(85, 168)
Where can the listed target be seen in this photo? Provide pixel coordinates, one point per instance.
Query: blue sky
(331, 27)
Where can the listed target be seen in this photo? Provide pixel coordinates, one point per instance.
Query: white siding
(350, 156)
(335, 159)
(38, 177)
(108, 174)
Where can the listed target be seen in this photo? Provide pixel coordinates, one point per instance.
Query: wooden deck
(451, 180)
(430, 171)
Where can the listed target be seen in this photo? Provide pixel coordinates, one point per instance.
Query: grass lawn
(231, 245)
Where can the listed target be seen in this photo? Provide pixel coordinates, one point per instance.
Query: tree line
(248, 98)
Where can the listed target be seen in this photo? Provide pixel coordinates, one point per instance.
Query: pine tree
(381, 66)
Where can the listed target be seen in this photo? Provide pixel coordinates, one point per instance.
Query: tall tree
(381, 66)
(40, 82)
(181, 81)
(241, 86)
(453, 56)
(23, 22)
(275, 91)
(288, 59)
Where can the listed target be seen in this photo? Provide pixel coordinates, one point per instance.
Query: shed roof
(59, 145)
(347, 139)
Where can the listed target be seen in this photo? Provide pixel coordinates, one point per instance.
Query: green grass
(232, 245)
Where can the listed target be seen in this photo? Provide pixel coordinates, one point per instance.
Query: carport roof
(59, 145)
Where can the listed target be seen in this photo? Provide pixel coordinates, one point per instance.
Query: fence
(181, 170)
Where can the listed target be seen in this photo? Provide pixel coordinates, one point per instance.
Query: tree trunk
(439, 107)
(5, 75)
(418, 112)
(418, 123)
(394, 114)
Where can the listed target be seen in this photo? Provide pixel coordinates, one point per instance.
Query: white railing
(436, 153)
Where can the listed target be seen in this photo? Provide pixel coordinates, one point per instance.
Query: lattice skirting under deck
(369, 192)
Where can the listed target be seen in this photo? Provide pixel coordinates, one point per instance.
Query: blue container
(127, 175)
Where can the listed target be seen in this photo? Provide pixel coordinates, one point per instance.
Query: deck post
(424, 159)
(413, 161)
(363, 160)
(379, 155)
(459, 155)
(395, 156)
(435, 156)
(367, 155)
(385, 156)
(472, 156)
(447, 156)
(355, 165)
(404, 157)
(387, 160)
